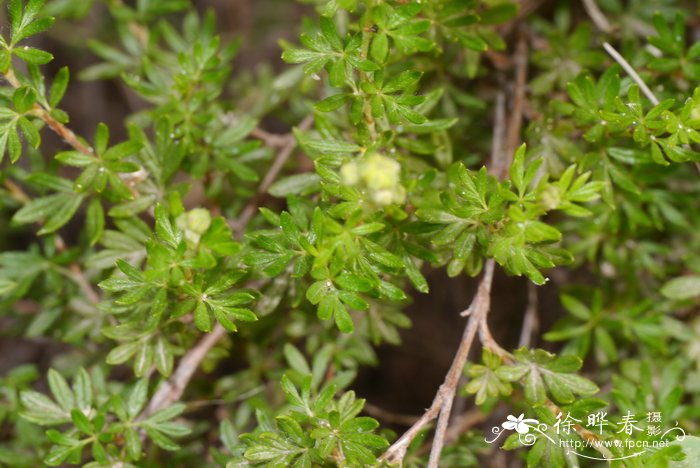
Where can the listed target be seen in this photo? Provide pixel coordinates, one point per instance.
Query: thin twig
(442, 403)
(480, 309)
(459, 425)
(270, 139)
(477, 312)
(85, 285)
(171, 390)
(61, 130)
(285, 152)
(498, 166)
(531, 322)
(587, 435)
(389, 416)
(597, 16)
(637, 79)
(515, 123)
(631, 72)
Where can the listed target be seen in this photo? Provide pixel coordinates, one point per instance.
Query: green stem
(364, 53)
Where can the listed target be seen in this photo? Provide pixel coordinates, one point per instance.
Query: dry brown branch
(499, 158)
(442, 403)
(590, 437)
(82, 282)
(270, 139)
(285, 152)
(531, 321)
(389, 416)
(171, 390)
(61, 130)
(477, 312)
(459, 425)
(513, 138)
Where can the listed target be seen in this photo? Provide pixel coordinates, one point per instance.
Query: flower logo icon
(519, 424)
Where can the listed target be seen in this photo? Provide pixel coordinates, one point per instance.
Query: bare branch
(442, 403)
(499, 158)
(631, 72)
(481, 304)
(587, 435)
(171, 390)
(270, 139)
(531, 322)
(597, 16)
(459, 425)
(61, 130)
(513, 137)
(389, 416)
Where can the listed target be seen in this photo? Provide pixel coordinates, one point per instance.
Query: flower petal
(509, 425)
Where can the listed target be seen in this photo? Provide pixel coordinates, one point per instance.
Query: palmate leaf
(54, 211)
(484, 382)
(316, 426)
(42, 410)
(540, 372)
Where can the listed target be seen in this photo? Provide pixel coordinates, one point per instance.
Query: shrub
(215, 287)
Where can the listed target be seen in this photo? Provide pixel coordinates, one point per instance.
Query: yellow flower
(377, 175)
(194, 223)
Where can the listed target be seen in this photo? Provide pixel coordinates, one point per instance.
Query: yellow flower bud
(350, 173)
(380, 172)
(194, 223)
(378, 175)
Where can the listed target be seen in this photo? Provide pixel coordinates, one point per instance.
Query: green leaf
(32, 55)
(94, 221)
(296, 360)
(343, 319)
(137, 398)
(407, 79)
(133, 443)
(164, 227)
(379, 49)
(143, 359)
(23, 98)
(691, 448)
(577, 308)
(685, 287)
(295, 185)
(332, 103)
(101, 138)
(122, 353)
(63, 214)
(14, 145)
(41, 410)
(82, 387)
(81, 421)
(202, 319)
(59, 86)
(60, 390)
(163, 356)
(161, 440)
(132, 208)
(327, 146)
